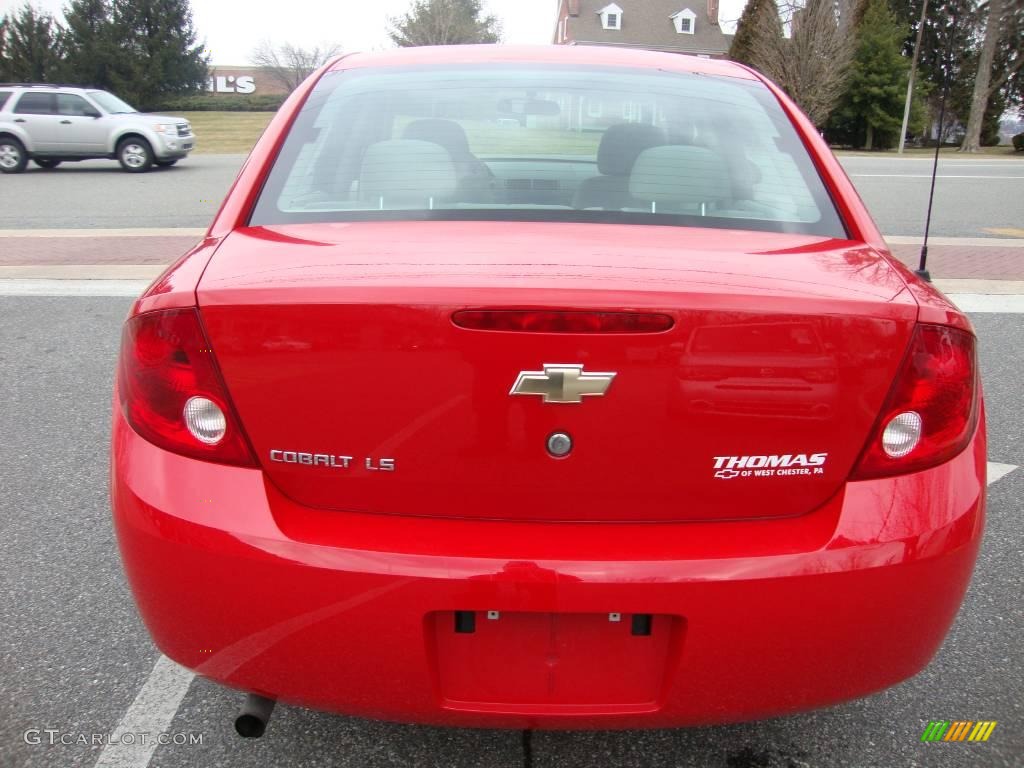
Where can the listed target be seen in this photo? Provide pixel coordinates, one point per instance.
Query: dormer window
(685, 21)
(611, 16)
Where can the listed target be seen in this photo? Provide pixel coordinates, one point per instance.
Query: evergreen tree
(88, 43)
(157, 51)
(759, 24)
(873, 104)
(32, 52)
(1000, 64)
(938, 29)
(444, 22)
(1006, 81)
(949, 47)
(5, 63)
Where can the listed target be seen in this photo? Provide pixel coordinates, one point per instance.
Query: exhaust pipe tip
(252, 719)
(250, 726)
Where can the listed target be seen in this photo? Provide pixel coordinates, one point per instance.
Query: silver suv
(51, 124)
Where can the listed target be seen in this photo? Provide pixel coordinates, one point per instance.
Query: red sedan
(558, 387)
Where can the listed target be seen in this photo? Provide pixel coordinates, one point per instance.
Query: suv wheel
(135, 155)
(45, 162)
(12, 156)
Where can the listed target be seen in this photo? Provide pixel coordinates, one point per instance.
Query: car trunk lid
(359, 392)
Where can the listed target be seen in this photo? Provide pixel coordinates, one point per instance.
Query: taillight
(932, 408)
(171, 390)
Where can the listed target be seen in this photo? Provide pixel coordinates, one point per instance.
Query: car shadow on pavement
(112, 168)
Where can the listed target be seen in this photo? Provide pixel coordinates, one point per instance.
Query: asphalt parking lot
(76, 660)
(74, 655)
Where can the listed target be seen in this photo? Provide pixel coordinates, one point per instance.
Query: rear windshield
(543, 143)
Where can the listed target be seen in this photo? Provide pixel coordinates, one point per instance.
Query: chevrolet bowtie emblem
(562, 383)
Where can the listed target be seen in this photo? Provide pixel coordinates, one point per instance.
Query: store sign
(228, 84)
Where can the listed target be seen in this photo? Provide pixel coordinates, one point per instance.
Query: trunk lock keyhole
(559, 444)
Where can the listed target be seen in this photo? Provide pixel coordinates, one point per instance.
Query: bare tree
(998, 24)
(288, 64)
(760, 18)
(813, 64)
(444, 22)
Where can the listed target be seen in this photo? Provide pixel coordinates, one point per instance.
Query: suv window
(543, 143)
(76, 106)
(32, 103)
(3, 97)
(111, 103)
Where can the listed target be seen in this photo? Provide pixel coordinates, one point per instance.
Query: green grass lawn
(236, 132)
(488, 140)
(226, 133)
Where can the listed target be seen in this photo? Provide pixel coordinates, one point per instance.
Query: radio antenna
(922, 269)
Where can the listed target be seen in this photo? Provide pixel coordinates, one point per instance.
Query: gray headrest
(403, 171)
(447, 133)
(622, 144)
(680, 174)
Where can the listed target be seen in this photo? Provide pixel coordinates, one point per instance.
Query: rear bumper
(351, 613)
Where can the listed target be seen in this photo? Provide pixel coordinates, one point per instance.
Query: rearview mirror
(91, 113)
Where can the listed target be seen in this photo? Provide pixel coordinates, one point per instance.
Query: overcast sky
(231, 30)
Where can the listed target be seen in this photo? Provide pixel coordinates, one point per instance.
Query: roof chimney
(713, 12)
(574, 7)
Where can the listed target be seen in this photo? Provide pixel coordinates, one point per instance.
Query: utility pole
(913, 71)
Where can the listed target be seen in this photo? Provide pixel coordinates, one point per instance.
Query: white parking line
(43, 287)
(137, 735)
(114, 272)
(997, 471)
(923, 176)
(988, 303)
(948, 285)
(929, 160)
